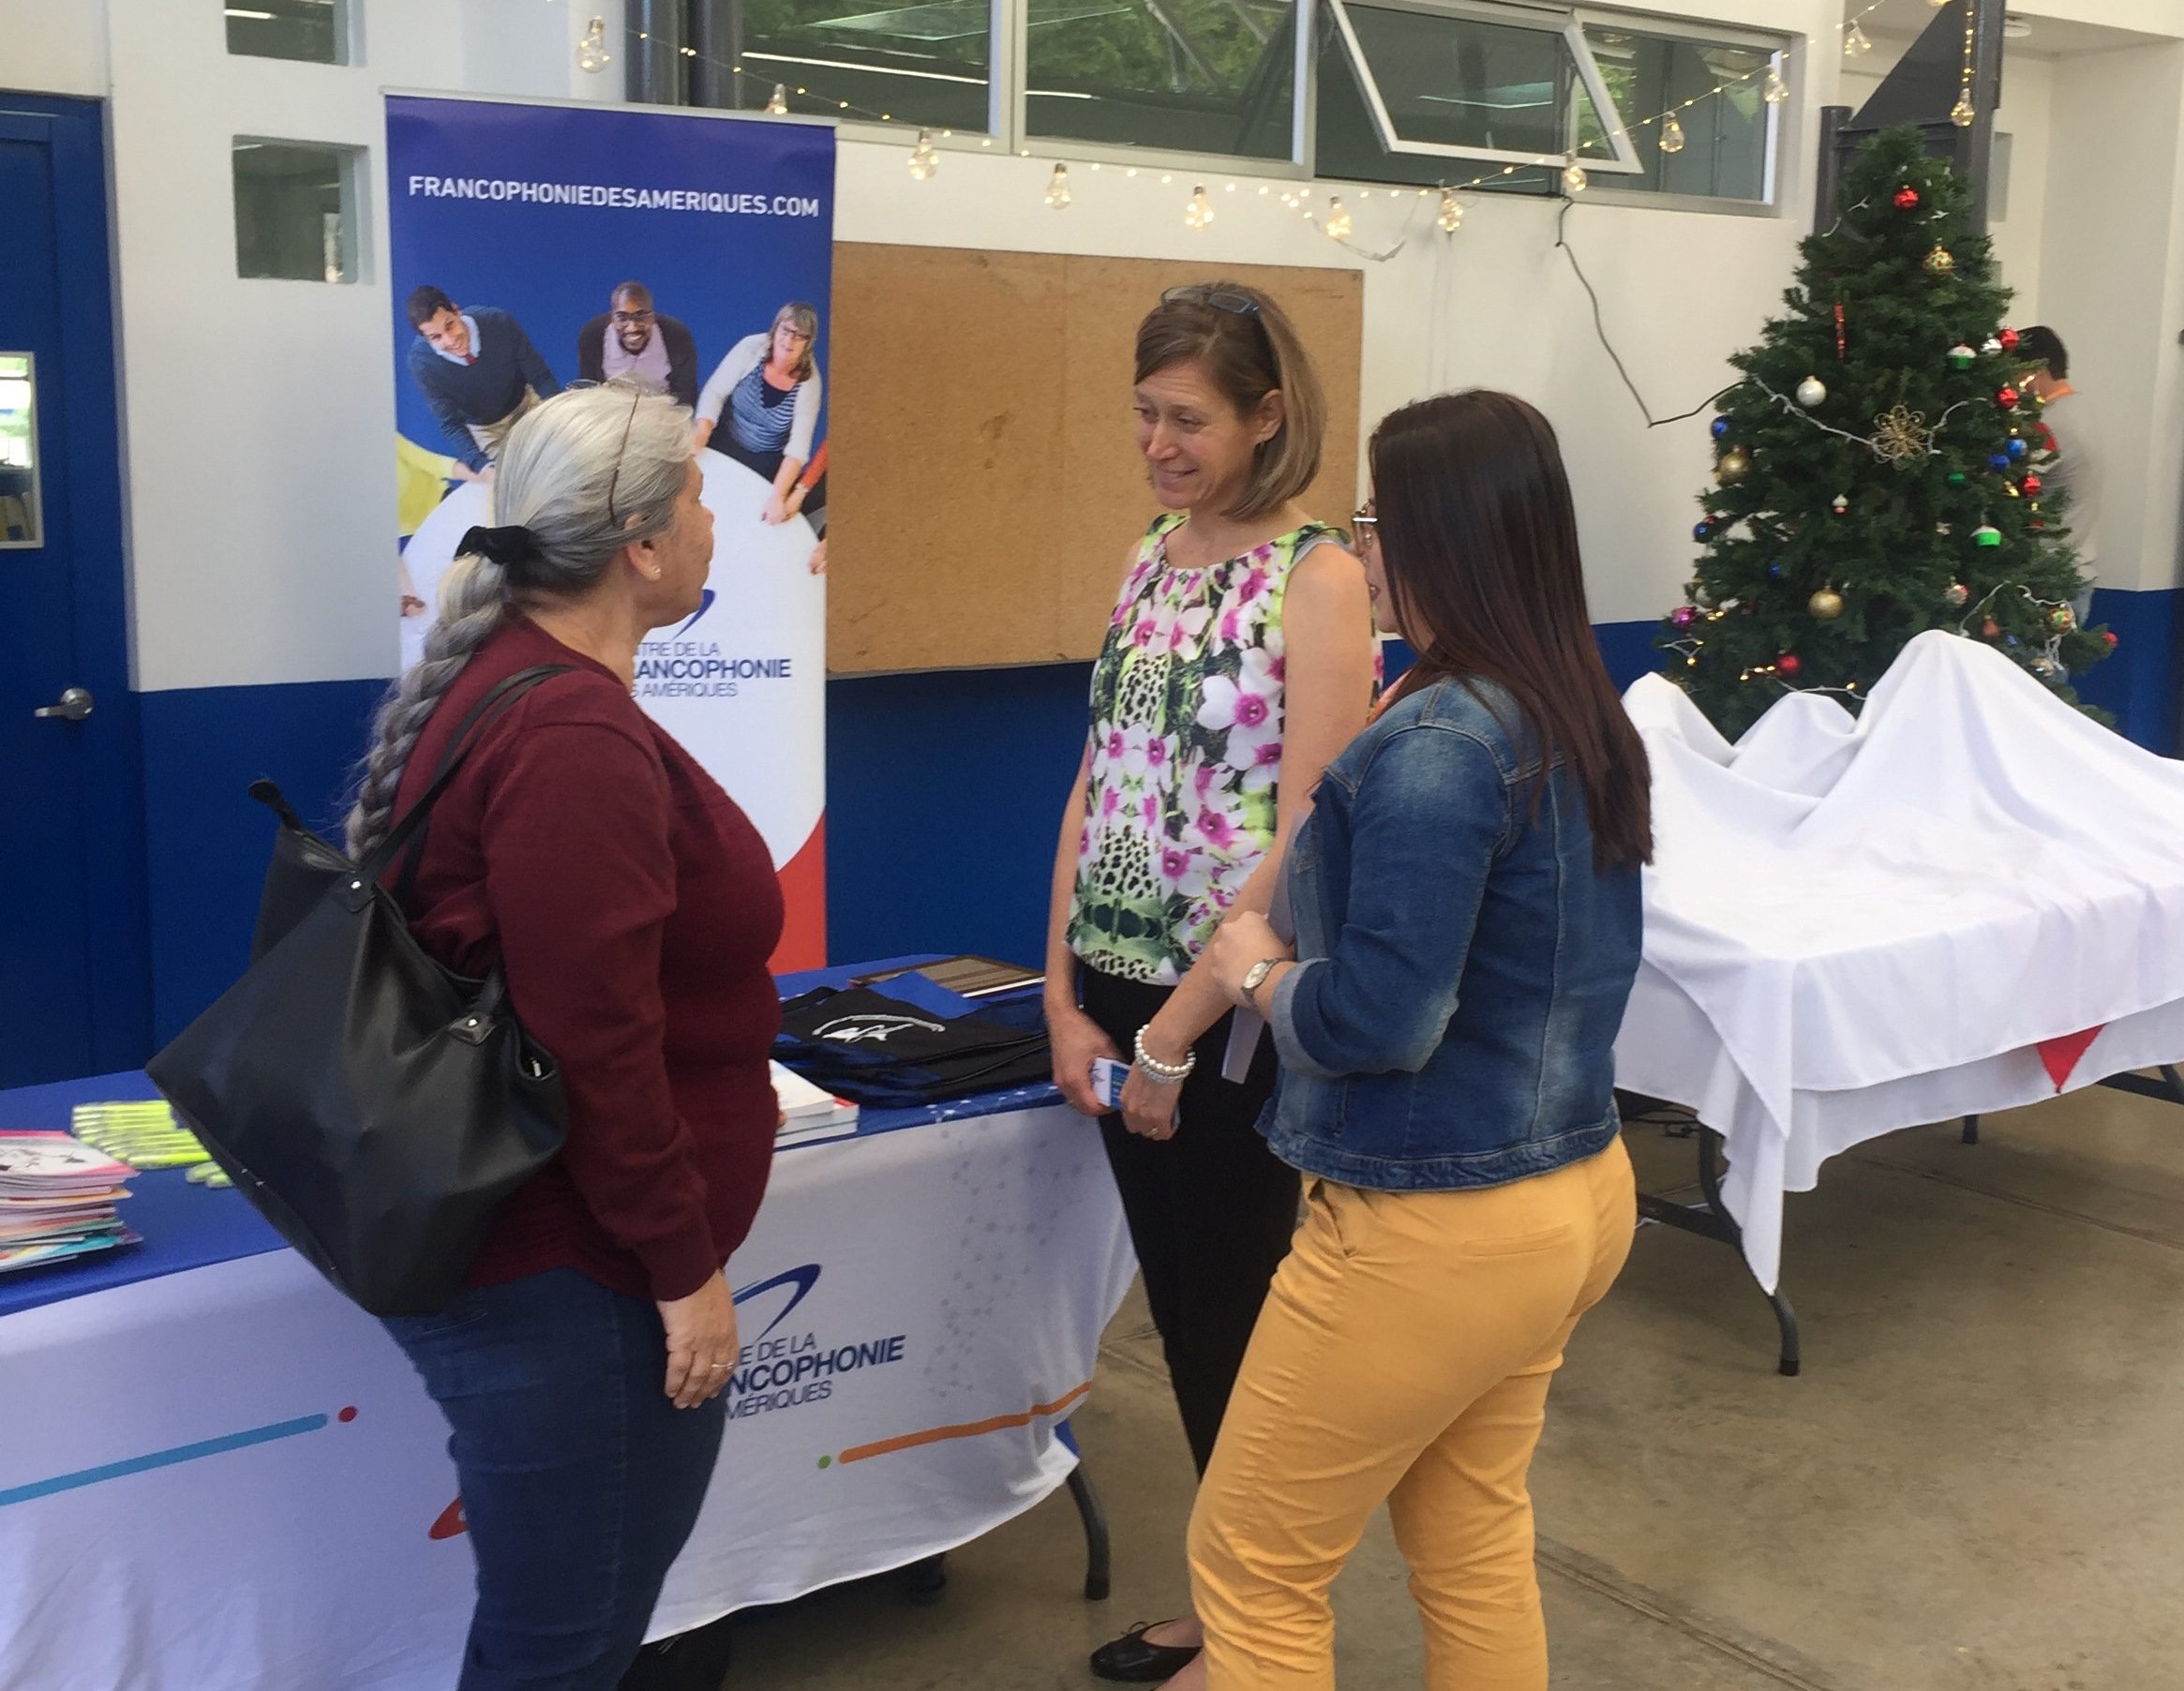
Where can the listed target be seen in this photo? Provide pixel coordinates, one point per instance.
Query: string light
(924, 157)
(1057, 188)
(1338, 223)
(1199, 212)
(591, 54)
(1964, 113)
(778, 105)
(1672, 139)
(1777, 91)
(1451, 214)
(1574, 176)
(1856, 42)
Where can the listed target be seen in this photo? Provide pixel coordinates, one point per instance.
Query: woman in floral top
(1239, 660)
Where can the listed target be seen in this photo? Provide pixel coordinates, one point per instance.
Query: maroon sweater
(635, 908)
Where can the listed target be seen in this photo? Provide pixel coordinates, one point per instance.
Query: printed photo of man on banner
(533, 246)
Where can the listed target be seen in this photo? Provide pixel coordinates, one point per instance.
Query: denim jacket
(1462, 967)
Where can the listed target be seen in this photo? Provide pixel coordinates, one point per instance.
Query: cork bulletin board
(985, 481)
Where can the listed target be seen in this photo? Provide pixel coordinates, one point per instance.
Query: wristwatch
(1255, 977)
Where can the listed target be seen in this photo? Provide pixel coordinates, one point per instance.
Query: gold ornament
(1941, 261)
(1826, 604)
(2062, 618)
(1900, 435)
(1735, 465)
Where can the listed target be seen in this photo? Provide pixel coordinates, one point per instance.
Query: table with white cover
(1966, 898)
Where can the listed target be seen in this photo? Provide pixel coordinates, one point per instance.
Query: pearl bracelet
(1168, 1075)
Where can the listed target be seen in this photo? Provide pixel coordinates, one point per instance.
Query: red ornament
(1840, 351)
(2109, 635)
(2030, 485)
(2006, 398)
(1906, 199)
(2008, 338)
(1787, 664)
(1990, 628)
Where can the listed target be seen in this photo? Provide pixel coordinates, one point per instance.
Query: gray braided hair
(553, 477)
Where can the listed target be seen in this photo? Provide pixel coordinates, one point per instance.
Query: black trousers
(1210, 1210)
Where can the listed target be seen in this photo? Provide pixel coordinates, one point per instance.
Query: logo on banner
(784, 1368)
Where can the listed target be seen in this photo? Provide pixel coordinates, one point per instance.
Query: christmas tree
(1879, 467)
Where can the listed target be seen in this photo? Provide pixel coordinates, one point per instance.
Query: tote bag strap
(483, 715)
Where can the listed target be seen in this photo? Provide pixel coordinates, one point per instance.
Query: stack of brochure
(809, 1113)
(57, 1200)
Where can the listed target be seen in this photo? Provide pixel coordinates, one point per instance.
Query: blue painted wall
(944, 792)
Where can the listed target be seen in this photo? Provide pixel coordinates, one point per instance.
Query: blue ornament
(2010, 639)
(1701, 530)
(1774, 572)
(1999, 462)
(2017, 448)
(1721, 427)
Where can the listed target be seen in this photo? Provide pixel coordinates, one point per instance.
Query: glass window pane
(316, 31)
(925, 64)
(1725, 134)
(1461, 82)
(20, 524)
(294, 211)
(1194, 76)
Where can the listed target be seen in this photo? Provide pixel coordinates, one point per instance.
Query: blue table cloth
(186, 1226)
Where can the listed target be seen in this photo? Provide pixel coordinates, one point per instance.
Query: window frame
(355, 216)
(347, 33)
(1559, 20)
(1008, 132)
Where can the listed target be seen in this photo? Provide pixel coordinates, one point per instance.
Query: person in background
(1466, 909)
(479, 373)
(761, 407)
(644, 343)
(2078, 460)
(633, 908)
(1239, 659)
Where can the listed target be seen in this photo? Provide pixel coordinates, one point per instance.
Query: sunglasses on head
(1221, 299)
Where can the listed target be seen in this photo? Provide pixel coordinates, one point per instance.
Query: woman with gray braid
(634, 908)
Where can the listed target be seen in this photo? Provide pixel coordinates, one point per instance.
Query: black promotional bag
(877, 1050)
(374, 1106)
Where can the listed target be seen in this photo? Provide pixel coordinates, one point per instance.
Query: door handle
(73, 706)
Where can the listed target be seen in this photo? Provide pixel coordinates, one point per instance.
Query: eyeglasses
(631, 317)
(1221, 299)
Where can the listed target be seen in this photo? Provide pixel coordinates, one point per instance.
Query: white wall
(2113, 287)
(53, 47)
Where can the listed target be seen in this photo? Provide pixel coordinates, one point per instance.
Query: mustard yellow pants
(1403, 1354)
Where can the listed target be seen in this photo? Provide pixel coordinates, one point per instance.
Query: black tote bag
(374, 1106)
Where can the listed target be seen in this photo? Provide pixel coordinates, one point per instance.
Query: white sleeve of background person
(804, 419)
(742, 359)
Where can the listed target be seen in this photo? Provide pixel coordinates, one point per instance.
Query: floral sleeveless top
(1187, 714)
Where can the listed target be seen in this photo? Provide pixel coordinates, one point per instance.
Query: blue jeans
(580, 1480)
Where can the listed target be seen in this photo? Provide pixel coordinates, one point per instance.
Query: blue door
(74, 992)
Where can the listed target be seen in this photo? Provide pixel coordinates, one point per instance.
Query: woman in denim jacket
(1466, 905)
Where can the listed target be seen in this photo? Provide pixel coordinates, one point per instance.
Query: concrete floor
(1979, 1482)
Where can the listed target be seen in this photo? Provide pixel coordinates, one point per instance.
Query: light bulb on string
(591, 54)
(778, 105)
(1057, 188)
(1197, 212)
(1777, 91)
(1671, 136)
(1337, 226)
(1857, 43)
(1574, 176)
(924, 157)
(1964, 113)
(1451, 214)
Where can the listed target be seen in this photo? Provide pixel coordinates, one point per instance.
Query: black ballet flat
(1131, 1658)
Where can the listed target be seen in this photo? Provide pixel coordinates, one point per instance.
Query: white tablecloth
(229, 1479)
(1859, 924)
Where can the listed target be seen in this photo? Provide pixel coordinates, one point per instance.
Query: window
(927, 64)
(1191, 76)
(19, 518)
(315, 31)
(1440, 91)
(1716, 91)
(295, 210)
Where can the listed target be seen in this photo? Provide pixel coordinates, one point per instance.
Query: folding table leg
(1097, 1562)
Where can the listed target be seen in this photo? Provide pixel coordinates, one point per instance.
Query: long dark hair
(1479, 541)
